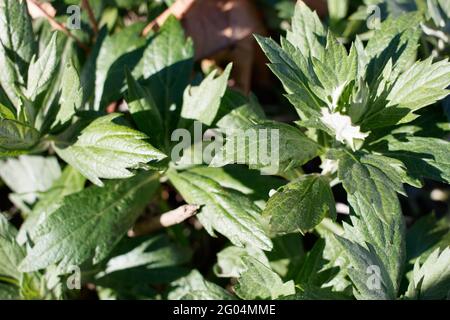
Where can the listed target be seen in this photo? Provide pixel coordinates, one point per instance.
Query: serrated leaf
(367, 272)
(41, 70)
(28, 176)
(248, 182)
(137, 263)
(335, 70)
(227, 211)
(307, 32)
(267, 145)
(195, 287)
(107, 148)
(431, 280)
(260, 282)
(71, 94)
(16, 34)
(230, 263)
(300, 205)
(202, 102)
(16, 137)
(89, 223)
(294, 71)
(397, 39)
(425, 236)
(424, 157)
(152, 252)
(10, 252)
(70, 181)
(378, 228)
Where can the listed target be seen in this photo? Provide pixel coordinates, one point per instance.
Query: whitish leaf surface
(227, 211)
(202, 102)
(195, 287)
(16, 34)
(11, 254)
(30, 175)
(260, 282)
(431, 280)
(267, 145)
(378, 231)
(70, 181)
(424, 157)
(42, 69)
(308, 33)
(107, 148)
(230, 263)
(71, 94)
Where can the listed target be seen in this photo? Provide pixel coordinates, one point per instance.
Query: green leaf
(423, 157)
(287, 255)
(202, 102)
(137, 263)
(16, 137)
(230, 262)
(195, 287)
(267, 145)
(307, 32)
(9, 80)
(88, 224)
(249, 182)
(300, 205)
(260, 282)
(431, 280)
(308, 292)
(152, 252)
(425, 236)
(144, 111)
(378, 227)
(41, 71)
(9, 292)
(237, 111)
(70, 181)
(396, 40)
(421, 85)
(335, 70)
(167, 66)
(295, 73)
(16, 34)
(227, 211)
(28, 176)
(107, 148)
(71, 94)
(120, 50)
(11, 254)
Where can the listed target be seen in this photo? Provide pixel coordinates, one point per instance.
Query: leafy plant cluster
(81, 176)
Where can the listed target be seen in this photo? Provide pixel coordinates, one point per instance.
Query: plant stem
(85, 4)
(165, 220)
(178, 9)
(57, 25)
